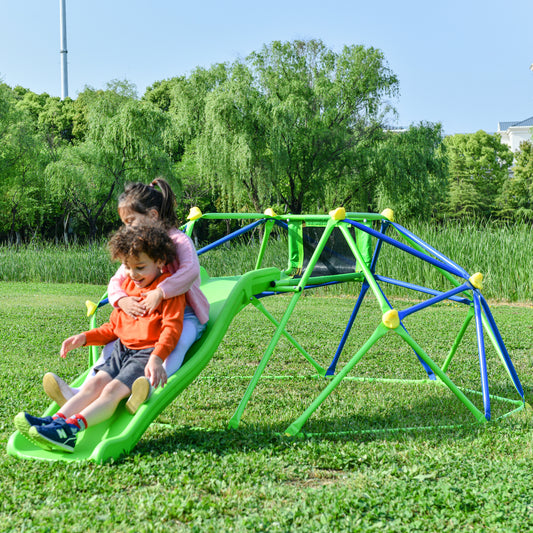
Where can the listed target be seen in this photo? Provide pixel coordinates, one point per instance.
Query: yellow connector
(388, 214)
(91, 307)
(194, 213)
(338, 214)
(270, 212)
(477, 280)
(391, 319)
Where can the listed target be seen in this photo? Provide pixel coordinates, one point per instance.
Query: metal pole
(63, 48)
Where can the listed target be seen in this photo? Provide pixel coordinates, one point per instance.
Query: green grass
(190, 473)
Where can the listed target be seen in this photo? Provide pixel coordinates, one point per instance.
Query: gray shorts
(125, 364)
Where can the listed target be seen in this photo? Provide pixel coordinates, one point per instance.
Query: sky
(464, 63)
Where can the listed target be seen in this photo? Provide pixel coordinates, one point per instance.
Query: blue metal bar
(431, 301)
(384, 226)
(227, 238)
(502, 347)
(427, 368)
(409, 250)
(420, 288)
(331, 370)
(430, 249)
(482, 357)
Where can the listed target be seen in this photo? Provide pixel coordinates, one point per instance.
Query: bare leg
(105, 405)
(89, 393)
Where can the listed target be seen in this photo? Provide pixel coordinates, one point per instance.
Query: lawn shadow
(421, 420)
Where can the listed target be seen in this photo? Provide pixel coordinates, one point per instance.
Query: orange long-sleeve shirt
(161, 328)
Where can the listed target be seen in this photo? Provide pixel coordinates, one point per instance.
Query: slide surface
(118, 435)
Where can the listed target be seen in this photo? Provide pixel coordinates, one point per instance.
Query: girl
(145, 203)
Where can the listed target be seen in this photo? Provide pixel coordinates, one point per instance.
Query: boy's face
(142, 270)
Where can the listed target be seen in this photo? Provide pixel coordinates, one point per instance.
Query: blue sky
(462, 63)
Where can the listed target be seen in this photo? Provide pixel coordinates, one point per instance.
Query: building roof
(503, 126)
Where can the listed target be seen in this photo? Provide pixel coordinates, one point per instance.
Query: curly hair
(152, 239)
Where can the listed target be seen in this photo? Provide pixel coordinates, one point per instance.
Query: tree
(407, 171)
(183, 99)
(479, 167)
(126, 140)
(23, 201)
(288, 119)
(516, 198)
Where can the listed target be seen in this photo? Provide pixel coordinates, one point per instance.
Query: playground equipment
(322, 250)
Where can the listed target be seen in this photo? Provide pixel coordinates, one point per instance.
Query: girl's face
(133, 218)
(143, 270)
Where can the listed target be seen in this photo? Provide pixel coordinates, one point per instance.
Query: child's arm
(185, 271)
(131, 305)
(94, 337)
(76, 341)
(155, 371)
(172, 324)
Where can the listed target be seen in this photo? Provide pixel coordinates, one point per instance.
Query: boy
(142, 343)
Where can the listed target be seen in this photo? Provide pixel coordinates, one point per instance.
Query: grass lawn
(190, 473)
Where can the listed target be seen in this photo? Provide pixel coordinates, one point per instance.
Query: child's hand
(132, 306)
(155, 371)
(76, 341)
(152, 299)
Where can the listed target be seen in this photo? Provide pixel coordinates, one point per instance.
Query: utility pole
(63, 48)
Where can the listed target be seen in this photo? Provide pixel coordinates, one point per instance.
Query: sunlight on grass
(190, 473)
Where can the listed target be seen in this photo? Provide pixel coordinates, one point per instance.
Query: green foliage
(126, 140)
(286, 123)
(516, 198)
(23, 157)
(294, 126)
(479, 166)
(407, 171)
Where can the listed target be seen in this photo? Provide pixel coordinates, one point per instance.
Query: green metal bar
(287, 282)
(257, 303)
(296, 426)
(285, 288)
(235, 419)
(366, 270)
(311, 218)
(440, 374)
(458, 339)
(189, 227)
(268, 228)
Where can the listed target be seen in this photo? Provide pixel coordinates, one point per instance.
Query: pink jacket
(184, 279)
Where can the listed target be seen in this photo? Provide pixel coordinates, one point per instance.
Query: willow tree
(183, 99)
(409, 171)
(288, 119)
(126, 140)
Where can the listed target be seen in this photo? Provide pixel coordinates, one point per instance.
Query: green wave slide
(118, 435)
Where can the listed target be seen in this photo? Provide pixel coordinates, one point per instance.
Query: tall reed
(502, 253)
(56, 264)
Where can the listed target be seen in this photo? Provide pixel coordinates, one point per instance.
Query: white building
(513, 133)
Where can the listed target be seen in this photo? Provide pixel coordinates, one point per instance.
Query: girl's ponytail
(141, 198)
(167, 211)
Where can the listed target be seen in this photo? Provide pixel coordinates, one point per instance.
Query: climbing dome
(341, 247)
